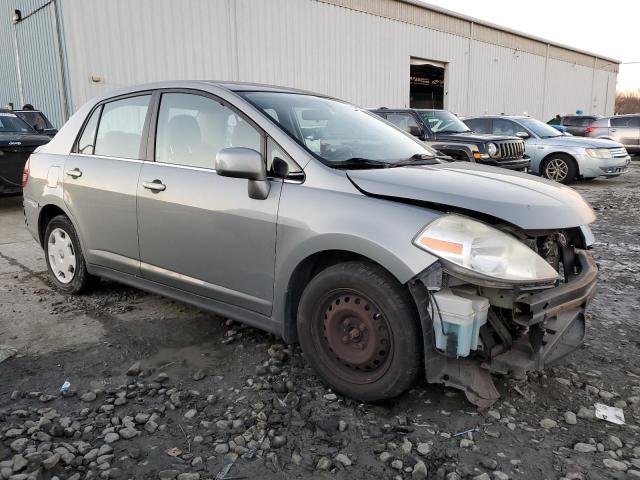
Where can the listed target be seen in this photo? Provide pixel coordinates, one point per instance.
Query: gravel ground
(162, 390)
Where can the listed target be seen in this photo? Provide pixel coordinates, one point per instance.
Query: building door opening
(426, 84)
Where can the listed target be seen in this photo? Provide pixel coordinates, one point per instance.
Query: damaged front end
(524, 328)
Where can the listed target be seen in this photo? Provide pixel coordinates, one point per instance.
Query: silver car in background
(322, 223)
(624, 129)
(556, 156)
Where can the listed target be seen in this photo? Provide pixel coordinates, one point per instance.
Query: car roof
(195, 84)
(22, 110)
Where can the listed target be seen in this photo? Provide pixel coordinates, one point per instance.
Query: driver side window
(192, 129)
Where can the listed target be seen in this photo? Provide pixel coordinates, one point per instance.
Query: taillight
(25, 173)
(589, 129)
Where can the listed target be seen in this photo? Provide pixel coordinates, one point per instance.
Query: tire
(359, 331)
(560, 168)
(63, 254)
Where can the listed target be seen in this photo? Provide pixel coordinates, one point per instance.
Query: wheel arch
(561, 154)
(48, 212)
(306, 270)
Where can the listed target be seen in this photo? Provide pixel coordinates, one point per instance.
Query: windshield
(441, 121)
(10, 123)
(336, 132)
(540, 129)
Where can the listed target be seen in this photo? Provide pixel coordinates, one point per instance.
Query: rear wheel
(560, 168)
(63, 253)
(358, 330)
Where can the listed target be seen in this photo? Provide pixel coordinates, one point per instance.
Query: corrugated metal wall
(337, 47)
(34, 75)
(8, 73)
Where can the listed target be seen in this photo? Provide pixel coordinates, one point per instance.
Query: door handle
(75, 173)
(613, 129)
(155, 186)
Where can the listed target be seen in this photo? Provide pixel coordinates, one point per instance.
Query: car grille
(619, 152)
(511, 149)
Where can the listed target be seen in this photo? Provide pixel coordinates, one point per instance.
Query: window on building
(121, 126)
(192, 129)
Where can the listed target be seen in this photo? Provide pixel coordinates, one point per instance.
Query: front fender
(313, 220)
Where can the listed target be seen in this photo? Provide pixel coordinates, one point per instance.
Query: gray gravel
(163, 390)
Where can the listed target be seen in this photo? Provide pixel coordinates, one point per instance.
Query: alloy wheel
(556, 169)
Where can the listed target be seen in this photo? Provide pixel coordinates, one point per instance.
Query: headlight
(482, 251)
(599, 152)
(492, 148)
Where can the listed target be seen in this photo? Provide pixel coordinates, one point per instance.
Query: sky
(609, 28)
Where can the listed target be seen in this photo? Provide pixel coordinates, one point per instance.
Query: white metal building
(60, 53)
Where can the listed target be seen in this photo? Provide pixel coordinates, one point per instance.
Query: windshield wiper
(357, 162)
(417, 159)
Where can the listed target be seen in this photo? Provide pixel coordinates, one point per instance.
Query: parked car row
(513, 142)
(624, 129)
(322, 223)
(556, 156)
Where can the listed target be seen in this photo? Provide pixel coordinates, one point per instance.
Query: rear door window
(505, 127)
(403, 121)
(121, 126)
(620, 122)
(479, 125)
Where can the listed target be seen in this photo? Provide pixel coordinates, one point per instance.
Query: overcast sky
(610, 28)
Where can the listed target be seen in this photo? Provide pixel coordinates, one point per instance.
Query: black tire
(559, 162)
(81, 280)
(359, 331)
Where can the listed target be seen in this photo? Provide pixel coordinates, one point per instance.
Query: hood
(14, 139)
(472, 137)
(580, 142)
(518, 198)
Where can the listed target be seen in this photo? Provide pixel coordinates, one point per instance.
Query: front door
(101, 179)
(200, 232)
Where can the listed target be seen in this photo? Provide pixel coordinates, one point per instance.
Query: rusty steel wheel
(356, 337)
(358, 329)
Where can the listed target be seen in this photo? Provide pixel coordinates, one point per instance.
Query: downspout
(62, 59)
(471, 40)
(18, 72)
(593, 79)
(544, 84)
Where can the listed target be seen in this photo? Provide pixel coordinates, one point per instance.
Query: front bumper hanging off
(557, 313)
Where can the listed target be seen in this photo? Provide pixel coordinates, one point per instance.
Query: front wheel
(560, 168)
(359, 331)
(63, 253)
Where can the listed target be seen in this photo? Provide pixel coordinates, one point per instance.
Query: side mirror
(238, 162)
(415, 131)
(522, 134)
(50, 131)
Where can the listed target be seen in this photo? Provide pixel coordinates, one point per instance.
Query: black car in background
(445, 132)
(17, 141)
(37, 120)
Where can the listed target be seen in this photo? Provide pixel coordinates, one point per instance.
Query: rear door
(101, 178)
(625, 130)
(200, 232)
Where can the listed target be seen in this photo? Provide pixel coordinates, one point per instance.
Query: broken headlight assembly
(483, 254)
